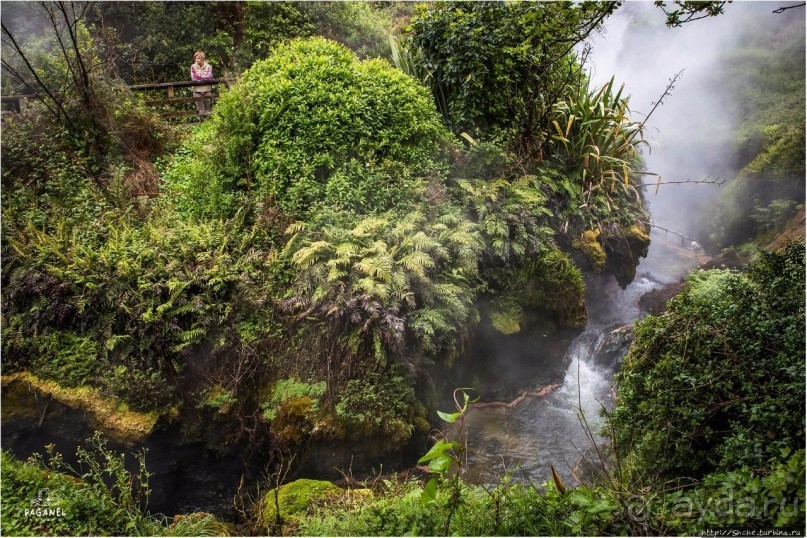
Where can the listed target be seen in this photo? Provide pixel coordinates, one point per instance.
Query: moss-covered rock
(104, 413)
(589, 244)
(508, 320)
(294, 498)
(624, 247)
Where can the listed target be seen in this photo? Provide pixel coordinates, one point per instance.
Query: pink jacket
(201, 73)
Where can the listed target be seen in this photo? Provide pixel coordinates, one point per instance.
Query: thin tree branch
(708, 181)
(85, 87)
(606, 12)
(63, 114)
(785, 8)
(667, 92)
(653, 225)
(62, 46)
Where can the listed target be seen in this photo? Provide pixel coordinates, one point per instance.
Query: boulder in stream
(614, 345)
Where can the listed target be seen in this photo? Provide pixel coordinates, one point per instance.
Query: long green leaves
(595, 137)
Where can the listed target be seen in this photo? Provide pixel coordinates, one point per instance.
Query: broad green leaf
(439, 448)
(450, 418)
(429, 491)
(440, 464)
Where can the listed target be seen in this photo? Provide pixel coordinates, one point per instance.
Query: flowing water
(540, 431)
(688, 138)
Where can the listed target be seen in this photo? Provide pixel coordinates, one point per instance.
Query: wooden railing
(19, 102)
(171, 99)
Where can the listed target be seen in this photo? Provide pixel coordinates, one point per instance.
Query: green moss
(636, 233)
(218, 398)
(294, 498)
(508, 319)
(589, 244)
(288, 389)
(548, 286)
(105, 413)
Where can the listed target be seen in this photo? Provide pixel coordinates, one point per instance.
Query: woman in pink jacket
(201, 70)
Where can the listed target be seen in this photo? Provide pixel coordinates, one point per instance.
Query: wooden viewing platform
(18, 102)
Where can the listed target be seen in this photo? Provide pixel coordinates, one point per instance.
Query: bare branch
(58, 32)
(74, 40)
(667, 92)
(785, 8)
(62, 114)
(706, 181)
(653, 225)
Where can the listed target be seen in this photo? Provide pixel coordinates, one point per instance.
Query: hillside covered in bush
(324, 226)
(296, 274)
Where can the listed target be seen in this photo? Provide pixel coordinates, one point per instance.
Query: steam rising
(691, 133)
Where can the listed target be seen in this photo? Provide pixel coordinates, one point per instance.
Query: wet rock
(188, 473)
(27, 397)
(615, 250)
(614, 345)
(655, 301)
(293, 498)
(589, 244)
(624, 247)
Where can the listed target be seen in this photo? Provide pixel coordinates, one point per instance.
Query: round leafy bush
(311, 127)
(717, 382)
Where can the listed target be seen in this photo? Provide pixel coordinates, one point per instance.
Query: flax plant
(595, 137)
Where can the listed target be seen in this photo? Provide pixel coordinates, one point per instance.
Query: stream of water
(539, 432)
(688, 140)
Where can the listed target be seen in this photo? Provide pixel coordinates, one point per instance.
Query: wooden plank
(173, 115)
(181, 84)
(12, 98)
(177, 100)
(17, 102)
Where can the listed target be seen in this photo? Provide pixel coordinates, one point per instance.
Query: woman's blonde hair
(199, 54)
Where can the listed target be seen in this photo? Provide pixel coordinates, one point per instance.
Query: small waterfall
(526, 438)
(640, 51)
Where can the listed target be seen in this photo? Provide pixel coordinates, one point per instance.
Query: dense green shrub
(103, 498)
(308, 128)
(106, 500)
(739, 499)
(499, 67)
(504, 509)
(141, 294)
(717, 382)
(393, 288)
(377, 403)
